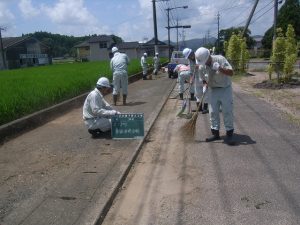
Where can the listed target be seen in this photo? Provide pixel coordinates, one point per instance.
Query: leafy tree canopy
(289, 13)
(61, 45)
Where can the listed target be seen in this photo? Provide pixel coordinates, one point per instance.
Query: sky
(132, 20)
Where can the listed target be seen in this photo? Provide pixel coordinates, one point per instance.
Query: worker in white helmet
(198, 76)
(97, 112)
(156, 63)
(184, 75)
(118, 65)
(144, 65)
(220, 92)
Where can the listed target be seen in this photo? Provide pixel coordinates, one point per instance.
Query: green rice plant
(24, 91)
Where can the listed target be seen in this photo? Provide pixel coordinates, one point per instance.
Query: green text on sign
(127, 125)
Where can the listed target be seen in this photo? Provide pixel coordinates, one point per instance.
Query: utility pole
(168, 27)
(155, 23)
(2, 48)
(249, 18)
(177, 35)
(218, 41)
(275, 19)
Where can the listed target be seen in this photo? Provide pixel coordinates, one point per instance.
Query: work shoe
(115, 99)
(95, 133)
(145, 78)
(229, 138)
(205, 108)
(199, 106)
(181, 96)
(215, 137)
(124, 99)
(192, 96)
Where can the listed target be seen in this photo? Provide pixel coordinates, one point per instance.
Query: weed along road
(57, 174)
(178, 181)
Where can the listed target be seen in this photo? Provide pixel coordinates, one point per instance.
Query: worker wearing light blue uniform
(97, 112)
(219, 71)
(118, 65)
(144, 65)
(156, 63)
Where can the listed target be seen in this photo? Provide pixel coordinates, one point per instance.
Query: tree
(245, 56)
(290, 52)
(233, 51)
(225, 35)
(278, 55)
(289, 13)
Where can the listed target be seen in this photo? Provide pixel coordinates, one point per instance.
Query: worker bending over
(184, 75)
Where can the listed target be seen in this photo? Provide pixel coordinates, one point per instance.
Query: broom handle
(201, 101)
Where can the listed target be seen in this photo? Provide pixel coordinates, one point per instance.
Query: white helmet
(186, 52)
(103, 82)
(145, 54)
(114, 49)
(202, 55)
(156, 53)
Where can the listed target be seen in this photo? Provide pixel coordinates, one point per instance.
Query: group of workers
(97, 112)
(209, 81)
(209, 78)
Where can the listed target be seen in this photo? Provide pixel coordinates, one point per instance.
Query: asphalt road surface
(177, 181)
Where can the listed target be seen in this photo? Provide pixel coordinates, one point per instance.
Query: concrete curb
(24, 124)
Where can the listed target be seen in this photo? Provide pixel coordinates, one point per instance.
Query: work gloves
(216, 66)
(114, 112)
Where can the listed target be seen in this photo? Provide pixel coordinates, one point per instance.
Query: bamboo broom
(189, 128)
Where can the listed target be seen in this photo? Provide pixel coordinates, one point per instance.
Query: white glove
(216, 66)
(117, 112)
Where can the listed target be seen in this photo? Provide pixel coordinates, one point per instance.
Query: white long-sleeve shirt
(96, 106)
(119, 63)
(144, 62)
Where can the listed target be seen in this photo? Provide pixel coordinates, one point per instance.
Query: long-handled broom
(190, 127)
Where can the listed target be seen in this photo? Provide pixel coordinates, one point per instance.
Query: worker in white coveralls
(118, 65)
(156, 63)
(97, 112)
(220, 92)
(184, 75)
(144, 65)
(200, 83)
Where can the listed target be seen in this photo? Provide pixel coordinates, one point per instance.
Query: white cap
(202, 55)
(103, 82)
(186, 52)
(114, 49)
(145, 54)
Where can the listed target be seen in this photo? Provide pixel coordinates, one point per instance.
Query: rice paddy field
(24, 91)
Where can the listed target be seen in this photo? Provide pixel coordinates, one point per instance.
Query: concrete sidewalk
(58, 174)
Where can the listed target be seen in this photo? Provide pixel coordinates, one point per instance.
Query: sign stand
(127, 126)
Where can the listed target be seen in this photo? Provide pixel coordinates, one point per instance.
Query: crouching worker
(97, 112)
(184, 75)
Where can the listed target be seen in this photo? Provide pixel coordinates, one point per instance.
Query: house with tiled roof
(23, 52)
(99, 48)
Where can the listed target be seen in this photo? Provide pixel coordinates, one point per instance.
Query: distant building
(258, 47)
(99, 48)
(23, 52)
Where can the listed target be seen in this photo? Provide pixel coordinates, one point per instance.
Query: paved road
(57, 174)
(178, 181)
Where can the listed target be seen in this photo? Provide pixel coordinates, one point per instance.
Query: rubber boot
(181, 96)
(115, 99)
(216, 136)
(124, 99)
(205, 108)
(192, 96)
(199, 107)
(229, 137)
